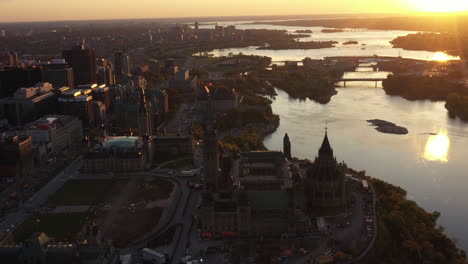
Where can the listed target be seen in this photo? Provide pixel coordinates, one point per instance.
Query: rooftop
(121, 142)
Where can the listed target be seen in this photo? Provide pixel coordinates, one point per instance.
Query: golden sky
(47, 10)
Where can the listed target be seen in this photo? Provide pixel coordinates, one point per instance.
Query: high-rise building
(121, 66)
(3, 33)
(16, 158)
(105, 75)
(13, 78)
(28, 104)
(56, 132)
(83, 63)
(58, 74)
(196, 26)
(79, 103)
(100, 93)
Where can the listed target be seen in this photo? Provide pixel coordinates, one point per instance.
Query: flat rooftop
(121, 142)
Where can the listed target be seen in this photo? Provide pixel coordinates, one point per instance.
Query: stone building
(117, 154)
(254, 214)
(325, 180)
(262, 170)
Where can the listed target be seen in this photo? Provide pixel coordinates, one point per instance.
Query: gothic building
(210, 150)
(325, 181)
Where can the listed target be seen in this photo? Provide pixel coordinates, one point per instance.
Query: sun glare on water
(440, 56)
(437, 147)
(441, 5)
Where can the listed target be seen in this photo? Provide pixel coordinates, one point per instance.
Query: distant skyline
(53, 10)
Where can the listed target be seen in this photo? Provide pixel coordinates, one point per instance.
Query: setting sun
(441, 6)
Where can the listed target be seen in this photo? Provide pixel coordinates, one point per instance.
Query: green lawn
(81, 192)
(59, 226)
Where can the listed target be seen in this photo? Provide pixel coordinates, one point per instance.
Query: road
(40, 197)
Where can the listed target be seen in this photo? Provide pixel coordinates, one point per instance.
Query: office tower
(13, 78)
(57, 132)
(83, 63)
(121, 66)
(100, 93)
(16, 157)
(196, 26)
(79, 103)
(58, 74)
(28, 104)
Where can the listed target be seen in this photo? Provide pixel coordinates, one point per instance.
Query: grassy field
(59, 226)
(81, 192)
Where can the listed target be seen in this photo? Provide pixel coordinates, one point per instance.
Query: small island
(304, 31)
(279, 45)
(351, 42)
(332, 30)
(387, 127)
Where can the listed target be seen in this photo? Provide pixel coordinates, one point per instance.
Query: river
(430, 162)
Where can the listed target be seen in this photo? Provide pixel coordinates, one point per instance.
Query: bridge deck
(360, 79)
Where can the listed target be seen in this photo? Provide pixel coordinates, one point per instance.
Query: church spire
(326, 149)
(287, 146)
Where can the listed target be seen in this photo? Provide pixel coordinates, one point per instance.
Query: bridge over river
(345, 80)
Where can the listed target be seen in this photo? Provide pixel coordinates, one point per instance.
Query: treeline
(414, 87)
(305, 83)
(457, 105)
(239, 119)
(437, 23)
(430, 42)
(407, 233)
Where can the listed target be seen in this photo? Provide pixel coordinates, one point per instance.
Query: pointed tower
(287, 146)
(325, 181)
(210, 148)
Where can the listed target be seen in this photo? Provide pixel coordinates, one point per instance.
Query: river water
(430, 162)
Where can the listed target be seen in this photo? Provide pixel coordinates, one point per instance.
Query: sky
(51, 10)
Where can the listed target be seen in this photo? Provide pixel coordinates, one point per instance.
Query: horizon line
(236, 17)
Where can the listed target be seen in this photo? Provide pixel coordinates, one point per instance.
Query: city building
(16, 157)
(40, 248)
(121, 66)
(13, 78)
(117, 154)
(223, 100)
(100, 93)
(28, 104)
(105, 75)
(78, 103)
(263, 170)
(267, 214)
(58, 74)
(55, 132)
(184, 83)
(172, 145)
(154, 66)
(83, 63)
(100, 115)
(325, 180)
